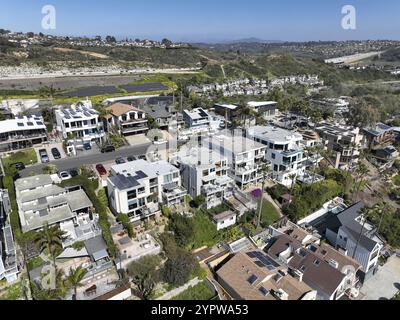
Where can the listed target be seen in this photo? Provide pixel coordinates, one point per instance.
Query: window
(317, 262)
(132, 194)
(176, 175)
(133, 206)
(273, 156)
(141, 190)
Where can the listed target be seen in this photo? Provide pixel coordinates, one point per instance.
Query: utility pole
(359, 237)
(261, 202)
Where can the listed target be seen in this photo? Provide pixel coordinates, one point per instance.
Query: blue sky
(208, 20)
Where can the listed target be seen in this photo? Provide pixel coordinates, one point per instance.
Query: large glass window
(132, 195)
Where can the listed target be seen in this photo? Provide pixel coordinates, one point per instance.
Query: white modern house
(344, 141)
(196, 118)
(80, 121)
(283, 151)
(246, 157)
(205, 172)
(136, 188)
(22, 132)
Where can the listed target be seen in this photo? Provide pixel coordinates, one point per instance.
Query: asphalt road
(76, 162)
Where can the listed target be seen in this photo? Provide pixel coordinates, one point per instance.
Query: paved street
(76, 162)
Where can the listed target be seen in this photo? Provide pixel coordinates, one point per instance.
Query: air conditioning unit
(282, 295)
(334, 263)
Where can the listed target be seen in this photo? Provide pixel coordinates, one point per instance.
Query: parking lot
(385, 284)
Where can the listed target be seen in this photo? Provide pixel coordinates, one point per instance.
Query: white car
(64, 175)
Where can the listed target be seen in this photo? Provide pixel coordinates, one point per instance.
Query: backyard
(198, 292)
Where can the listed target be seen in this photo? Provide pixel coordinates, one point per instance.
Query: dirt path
(86, 53)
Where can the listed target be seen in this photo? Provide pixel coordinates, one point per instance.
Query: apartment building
(284, 152)
(326, 270)
(246, 157)
(344, 141)
(253, 275)
(22, 132)
(80, 121)
(136, 188)
(127, 120)
(205, 172)
(196, 118)
(40, 200)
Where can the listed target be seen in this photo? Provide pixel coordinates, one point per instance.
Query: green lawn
(27, 157)
(13, 292)
(198, 292)
(269, 214)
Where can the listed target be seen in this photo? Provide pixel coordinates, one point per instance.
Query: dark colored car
(18, 166)
(120, 161)
(56, 154)
(101, 170)
(108, 149)
(87, 146)
(142, 157)
(131, 158)
(74, 172)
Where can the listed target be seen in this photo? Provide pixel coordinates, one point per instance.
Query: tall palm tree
(361, 172)
(382, 208)
(75, 278)
(50, 238)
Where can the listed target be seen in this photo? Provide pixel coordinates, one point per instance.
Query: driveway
(48, 147)
(385, 284)
(137, 140)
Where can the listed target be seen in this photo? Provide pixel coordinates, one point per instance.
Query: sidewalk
(170, 294)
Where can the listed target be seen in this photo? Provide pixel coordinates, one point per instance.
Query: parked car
(142, 157)
(56, 154)
(107, 149)
(87, 146)
(74, 172)
(120, 160)
(101, 170)
(44, 156)
(18, 165)
(64, 175)
(131, 158)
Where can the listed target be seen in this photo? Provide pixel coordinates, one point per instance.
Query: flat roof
(33, 182)
(235, 144)
(227, 106)
(257, 104)
(274, 134)
(22, 123)
(224, 215)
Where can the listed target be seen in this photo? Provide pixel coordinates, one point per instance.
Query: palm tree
(292, 177)
(75, 278)
(361, 172)
(50, 238)
(382, 208)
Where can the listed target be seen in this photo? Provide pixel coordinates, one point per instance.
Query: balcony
(172, 193)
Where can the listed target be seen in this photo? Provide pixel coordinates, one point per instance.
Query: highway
(76, 162)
